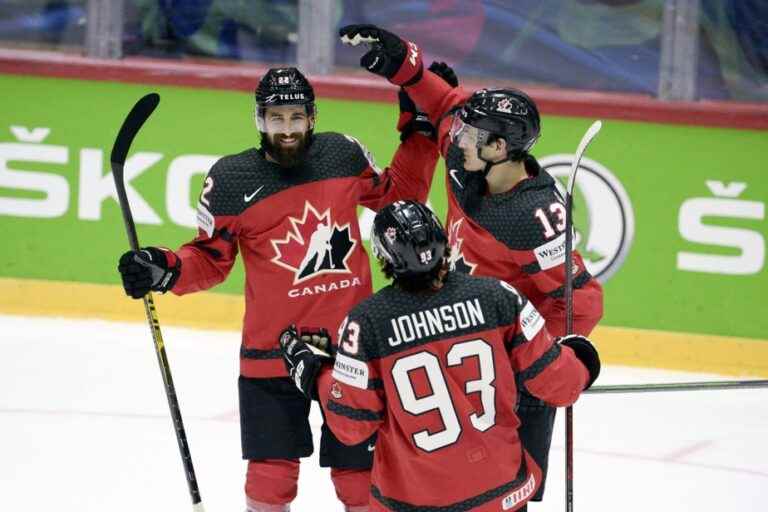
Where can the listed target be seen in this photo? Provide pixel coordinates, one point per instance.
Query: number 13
(559, 210)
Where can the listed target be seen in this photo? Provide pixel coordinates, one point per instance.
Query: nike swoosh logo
(371, 447)
(453, 172)
(247, 197)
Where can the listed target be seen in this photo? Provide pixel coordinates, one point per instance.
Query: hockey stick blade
(585, 140)
(131, 126)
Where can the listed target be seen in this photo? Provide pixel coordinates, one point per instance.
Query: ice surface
(84, 426)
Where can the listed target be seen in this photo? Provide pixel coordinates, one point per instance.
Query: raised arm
(400, 62)
(409, 175)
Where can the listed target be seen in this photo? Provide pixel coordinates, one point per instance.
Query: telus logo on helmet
(283, 97)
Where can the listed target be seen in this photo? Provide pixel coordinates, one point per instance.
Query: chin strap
(489, 164)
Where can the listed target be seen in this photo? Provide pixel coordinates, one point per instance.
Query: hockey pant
(535, 431)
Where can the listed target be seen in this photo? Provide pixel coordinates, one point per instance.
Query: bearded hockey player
(506, 218)
(290, 209)
(430, 362)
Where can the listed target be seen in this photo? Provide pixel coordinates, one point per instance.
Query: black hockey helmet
(407, 235)
(506, 113)
(284, 86)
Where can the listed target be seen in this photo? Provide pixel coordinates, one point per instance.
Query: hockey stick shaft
(131, 126)
(590, 134)
(680, 386)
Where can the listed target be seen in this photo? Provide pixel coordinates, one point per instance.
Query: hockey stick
(131, 126)
(585, 140)
(680, 386)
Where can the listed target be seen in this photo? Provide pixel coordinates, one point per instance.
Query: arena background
(671, 209)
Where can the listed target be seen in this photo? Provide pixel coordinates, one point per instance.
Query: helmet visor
(465, 135)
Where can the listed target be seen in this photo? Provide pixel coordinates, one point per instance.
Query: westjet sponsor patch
(531, 321)
(350, 371)
(552, 253)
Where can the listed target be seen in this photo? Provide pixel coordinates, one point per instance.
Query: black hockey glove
(318, 340)
(412, 120)
(152, 268)
(302, 361)
(445, 72)
(586, 353)
(396, 60)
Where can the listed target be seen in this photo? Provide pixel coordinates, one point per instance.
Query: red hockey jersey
(298, 235)
(517, 236)
(435, 375)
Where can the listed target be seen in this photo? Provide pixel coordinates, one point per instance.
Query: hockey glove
(586, 353)
(301, 361)
(445, 72)
(396, 60)
(412, 120)
(318, 340)
(151, 269)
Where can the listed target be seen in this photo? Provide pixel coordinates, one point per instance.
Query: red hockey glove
(152, 268)
(586, 353)
(396, 60)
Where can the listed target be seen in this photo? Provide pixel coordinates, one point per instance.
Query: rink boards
(670, 217)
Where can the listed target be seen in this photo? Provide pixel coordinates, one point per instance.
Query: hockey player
(290, 209)
(506, 218)
(430, 363)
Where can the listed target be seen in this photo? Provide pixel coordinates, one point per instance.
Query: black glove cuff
(170, 263)
(418, 125)
(405, 101)
(312, 392)
(169, 281)
(586, 353)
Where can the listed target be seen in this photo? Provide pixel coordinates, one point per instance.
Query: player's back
(449, 433)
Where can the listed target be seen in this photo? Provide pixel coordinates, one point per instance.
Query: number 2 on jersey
(440, 399)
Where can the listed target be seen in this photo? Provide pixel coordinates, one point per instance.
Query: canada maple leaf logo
(314, 245)
(457, 260)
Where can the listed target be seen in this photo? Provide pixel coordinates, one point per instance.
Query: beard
(287, 156)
